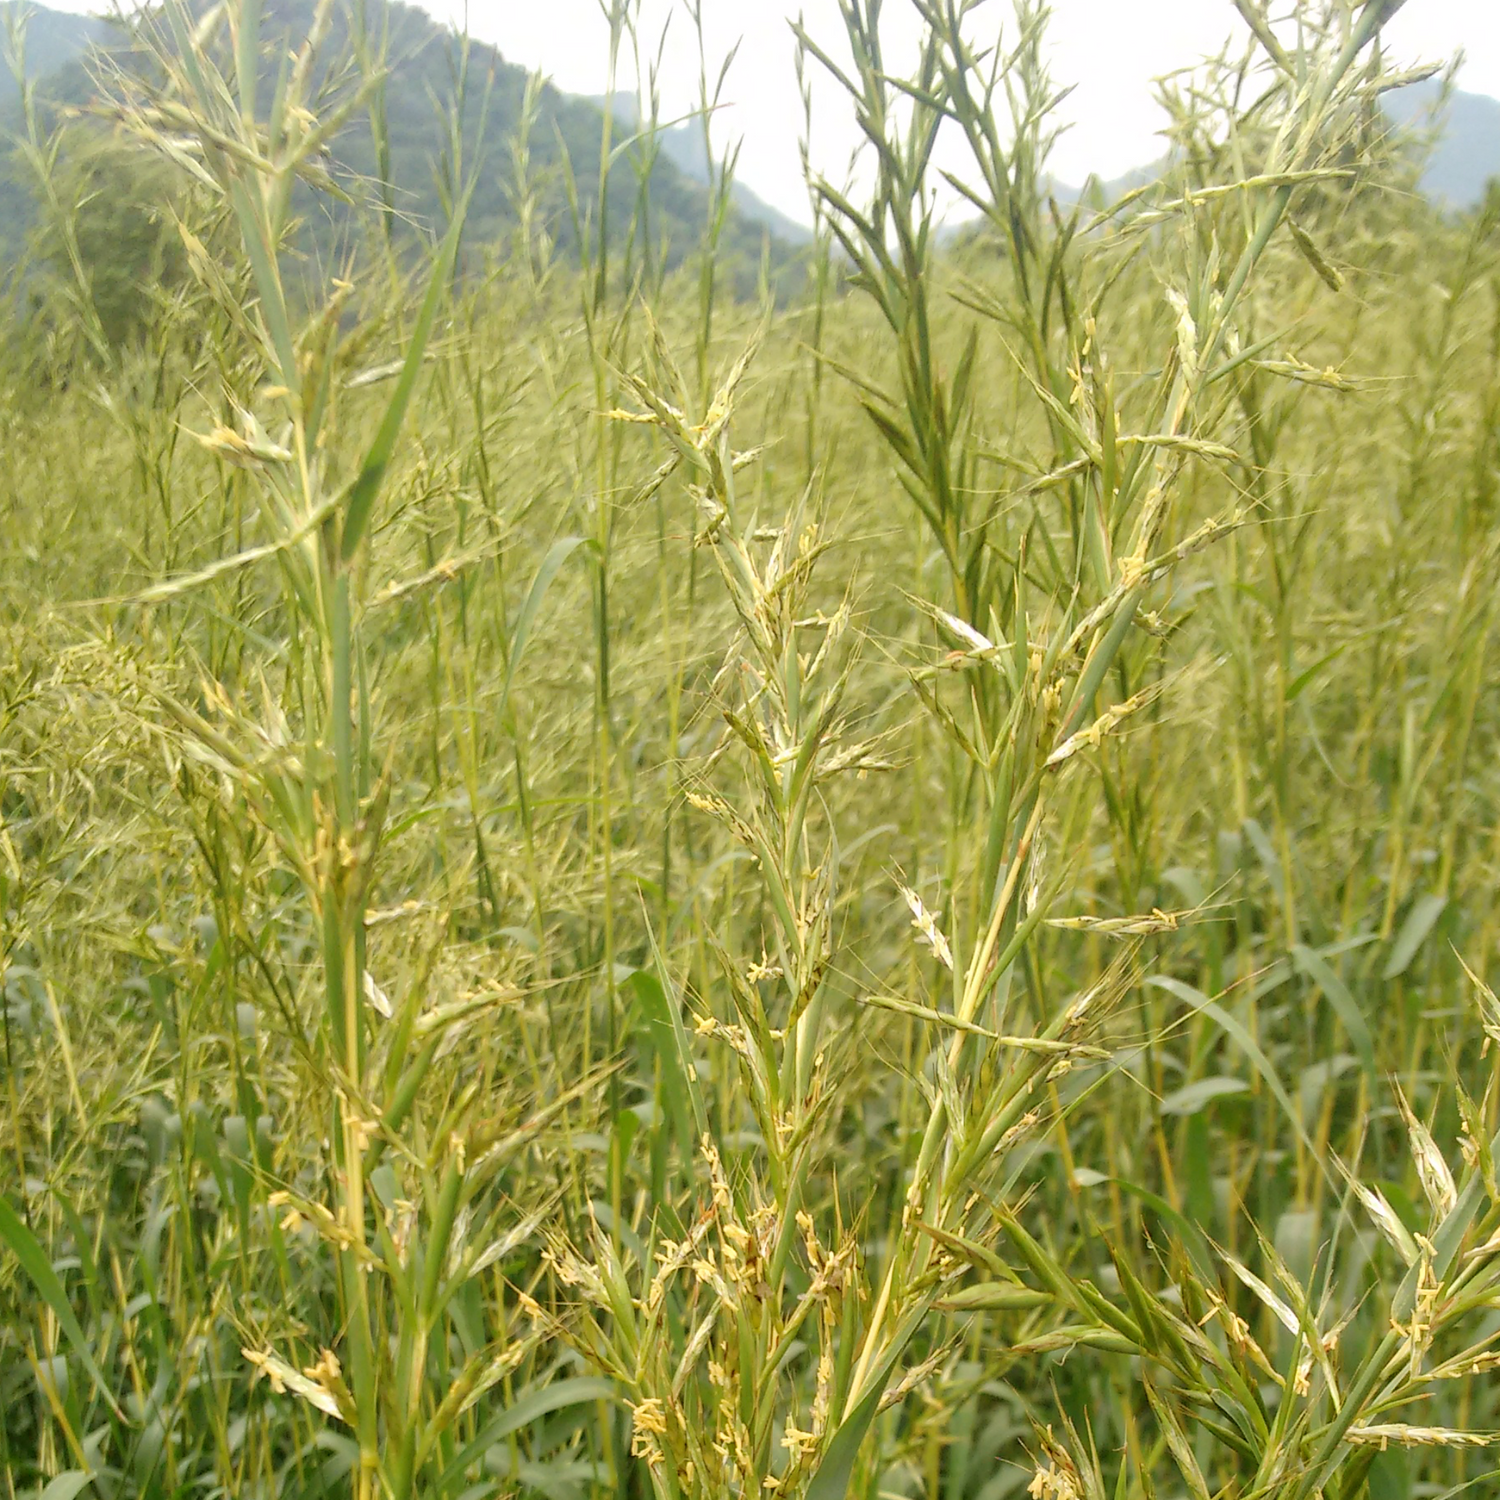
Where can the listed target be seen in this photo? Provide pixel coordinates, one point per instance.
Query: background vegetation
(623, 874)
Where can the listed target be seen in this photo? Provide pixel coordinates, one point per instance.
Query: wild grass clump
(609, 891)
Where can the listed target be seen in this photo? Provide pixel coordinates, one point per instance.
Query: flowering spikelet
(1386, 1221)
(302, 1212)
(320, 1385)
(1284, 1314)
(1489, 1008)
(1187, 333)
(798, 1443)
(649, 1419)
(927, 927)
(723, 1198)
(1058, 1478)
(1404, 1434)
(1417, 1331)
(1437, 1181)
(252, 451)
(1237, 1330)
(1092, 735)
(1475, 1362)
(1154, 921)
(573, 1271)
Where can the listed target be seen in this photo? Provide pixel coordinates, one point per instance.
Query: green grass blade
(362, 493)
(834, 1472)
(68, 1485)
(576, 1391)
(1317, 969)
(520, 633)
(1240, 1036)
(49, 1286)
(668, 1039)
(1420, 921)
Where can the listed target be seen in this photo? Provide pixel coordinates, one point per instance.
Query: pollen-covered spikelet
(1237, 1331)
(308, 1213)
(927, 927)
(1438, 1186)
(1418, 1328)
(321, 1384)
(723, 1198)
(573, 1270)
(649, 1426)
(1057, 1477)
(709, 1274)
(798, 1444)
(1404, 1434)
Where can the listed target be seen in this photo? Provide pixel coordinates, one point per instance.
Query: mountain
(1461, 139)
(50, 42)
(421, 99)
(53, 40)
(1466, 149)
(564, 140)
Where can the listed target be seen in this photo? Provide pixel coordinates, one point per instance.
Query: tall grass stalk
(605, 890)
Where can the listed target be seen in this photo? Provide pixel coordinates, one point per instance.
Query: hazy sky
(1110, 49)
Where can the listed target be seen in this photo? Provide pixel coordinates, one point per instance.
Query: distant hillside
(418, 96)
(1466, 153)
(53, 40)
(1464, 146)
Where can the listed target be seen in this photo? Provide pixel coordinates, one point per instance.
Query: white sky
(1109, 49)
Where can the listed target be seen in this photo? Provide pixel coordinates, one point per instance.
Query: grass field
(610, 889)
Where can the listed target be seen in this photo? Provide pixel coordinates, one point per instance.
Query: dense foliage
(608, 888)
